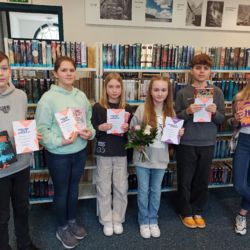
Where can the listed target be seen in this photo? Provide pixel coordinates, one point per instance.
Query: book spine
(138, 55)
(78, 54)
(16, 49)
(73, 50)
(83, 55)
(11, 52)
(35, 52)
(105, 55)
(44, 53)
(126, 56)
(49, 62)
(53, 51)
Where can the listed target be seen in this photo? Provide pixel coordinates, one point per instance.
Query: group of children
(66, 158)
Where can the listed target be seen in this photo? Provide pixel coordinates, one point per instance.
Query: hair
(61, 59)
(202, 59)
(244, 94)
(149, 116)
(3, 57)
(104, 99)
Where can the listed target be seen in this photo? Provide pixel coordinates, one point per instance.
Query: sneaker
(108, 230)
(240, 225)
(118, 228)
(155, 230)
(78, 231)
(66, 237)
(200, 222)
(145, 231)
(188, 221)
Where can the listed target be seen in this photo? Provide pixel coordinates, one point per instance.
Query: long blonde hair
(149, 116)
(104, 99)
(244, 94)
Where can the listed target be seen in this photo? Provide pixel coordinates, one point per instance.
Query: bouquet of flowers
(140, 137)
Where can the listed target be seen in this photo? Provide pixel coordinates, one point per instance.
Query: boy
(14, 178)
(195, 152)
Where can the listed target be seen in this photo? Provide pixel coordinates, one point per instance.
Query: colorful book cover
(116, 117)
(203, 97)
(25, 136)
(80, 118)
(245, 107)
(7, 153)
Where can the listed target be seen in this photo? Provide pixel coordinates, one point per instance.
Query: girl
(241, 161)
(14, 178)
(111, 158)
(65, 158)
(157, 106)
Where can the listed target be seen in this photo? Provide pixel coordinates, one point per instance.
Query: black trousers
(193, 167)
(15, 188)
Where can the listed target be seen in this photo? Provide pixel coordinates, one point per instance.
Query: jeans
(193, 166)
(15, 187)
(66, 171)
(149, 194)
(241, 166)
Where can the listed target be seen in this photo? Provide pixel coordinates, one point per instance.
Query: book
(203, 97)
(7, 153)
(245, 107)
(80, 118)
(25, 136)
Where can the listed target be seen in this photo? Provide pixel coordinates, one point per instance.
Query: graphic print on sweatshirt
(101, 147)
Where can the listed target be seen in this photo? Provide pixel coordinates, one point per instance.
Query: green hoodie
(56, 100)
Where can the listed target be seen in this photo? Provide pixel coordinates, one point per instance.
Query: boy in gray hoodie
(14, 178)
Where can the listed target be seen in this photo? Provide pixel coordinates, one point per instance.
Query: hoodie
(13, 107)
(56, 100)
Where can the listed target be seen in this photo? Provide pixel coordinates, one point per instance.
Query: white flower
(147, 132)
(137, 127)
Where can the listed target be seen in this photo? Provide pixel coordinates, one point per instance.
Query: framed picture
(184, 14)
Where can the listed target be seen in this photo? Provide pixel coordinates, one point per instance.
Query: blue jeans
(241, 166)
(149, 194)
(66, 171)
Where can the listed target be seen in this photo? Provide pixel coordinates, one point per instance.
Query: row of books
(41, 186)
(221, 173)
(221, 148)
(149, 56)
(230, 87)
(40, 53)
(229, 58)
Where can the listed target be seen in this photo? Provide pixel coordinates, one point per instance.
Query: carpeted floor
(219, 234)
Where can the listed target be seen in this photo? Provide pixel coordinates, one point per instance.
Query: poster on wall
(185, 14)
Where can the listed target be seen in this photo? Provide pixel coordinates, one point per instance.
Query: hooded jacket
(13, 107)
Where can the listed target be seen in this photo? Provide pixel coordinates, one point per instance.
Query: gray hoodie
(13, 107)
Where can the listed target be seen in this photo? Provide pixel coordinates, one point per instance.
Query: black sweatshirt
(108, 144)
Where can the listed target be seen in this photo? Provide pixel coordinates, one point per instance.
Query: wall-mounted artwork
(185, 14)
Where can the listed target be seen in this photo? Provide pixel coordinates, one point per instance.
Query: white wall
(75, 29)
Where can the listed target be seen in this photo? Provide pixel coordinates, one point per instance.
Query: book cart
(137, 63)
(33, 72)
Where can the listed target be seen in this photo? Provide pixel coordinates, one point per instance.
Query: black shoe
(30, 247)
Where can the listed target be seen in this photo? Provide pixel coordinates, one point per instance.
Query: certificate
(80, 118)
(116, 117)
(25, 136)
(66, 122)
(171, 130)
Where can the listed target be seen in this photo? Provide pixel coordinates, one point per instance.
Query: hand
(85, 134)
(239, 115)
(193, 108)
(5, 165)
(181, 132)
(211, 108)
(39, 136)
(124, 127)
(105, 127)
(71, 139)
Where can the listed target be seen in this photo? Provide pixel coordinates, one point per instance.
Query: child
(241, 161)
(15, 178)
(195, 152)
(157, 106)
(65, 157)
(111, 158)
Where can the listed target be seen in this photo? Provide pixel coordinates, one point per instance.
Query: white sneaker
(155, 230)
(145, 231)
(240, 225)
(108, 230)
(118, 228)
